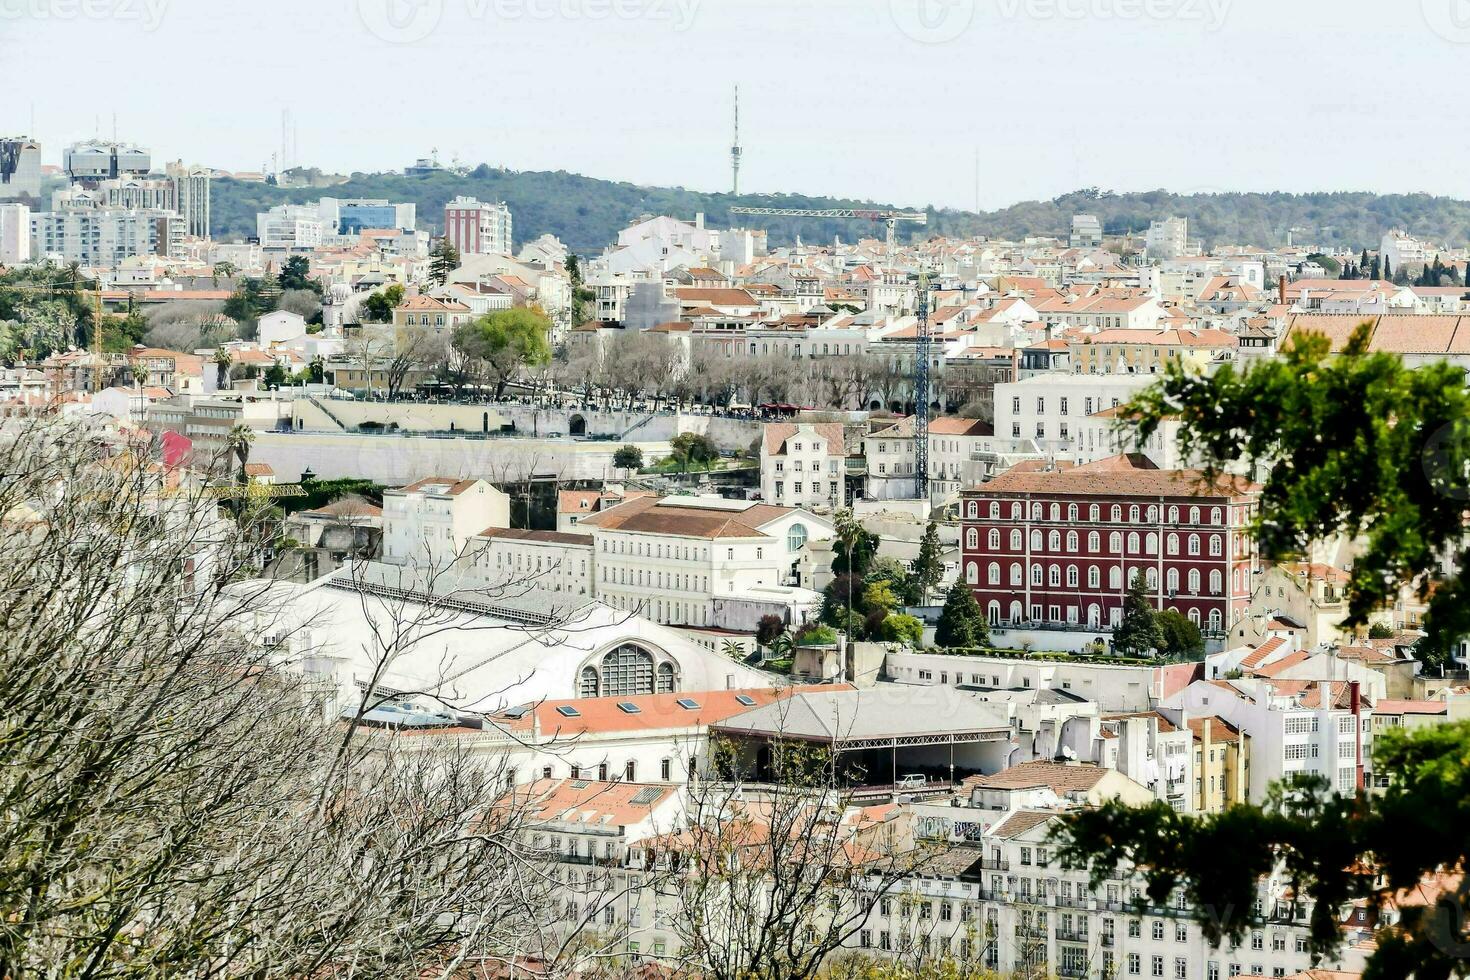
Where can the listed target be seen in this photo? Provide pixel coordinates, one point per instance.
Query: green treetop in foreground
(1357, 445)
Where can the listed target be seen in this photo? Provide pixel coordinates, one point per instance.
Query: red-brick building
(1058, 546)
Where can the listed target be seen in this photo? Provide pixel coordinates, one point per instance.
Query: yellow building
(1147, 351)
(1221, 764)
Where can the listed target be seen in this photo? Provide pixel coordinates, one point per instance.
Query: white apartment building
(1114, 687)
(1296, 727)
(1053, 409)
(474, 227)
(429, 522)
(1401, 249)
(670, 558)
(1098, 436)
(804, 464)
(15, 234)
(104, 237)
(551, 563)
(293, 227)
(191, 197)
(1167, 239)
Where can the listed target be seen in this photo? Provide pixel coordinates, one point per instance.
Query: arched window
(1115, 543)
(1115, 514)
(1072, 542)
(589, 682)
(1171, 544)
(1194, 544)
(1151, 544)
(1054, 576)
(994, 509)
(627, 670)
(1072, 513)
(1194, 616)
(1214, 620)
(1133, 514)
(796, 537)
(1173, 515)
(1216, 581)
(1054, 542)
(1016, 511)
(972, 573)
(1194, 515)
(1036, 574)
(972, 538)
(1194, 581)
(1216, 548)
(665, 680)
(993, 612)
(1151, 578)
(1094, 577)
(1071, 576)
(1056, 512)
(1094, 616)
(1094, 541)
(994, 577)
(1035, 540)
(1094, 513)
(1016, 574)
(994, 539)
(1214, 515)
(1016, 614)
(1115, 578)
(1153, 513)
(1133, 542)
(1036, 511)
(1171, 580)
(1015, 539)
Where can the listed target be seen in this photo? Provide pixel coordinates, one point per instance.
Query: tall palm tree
(222, 360)
(238, 443)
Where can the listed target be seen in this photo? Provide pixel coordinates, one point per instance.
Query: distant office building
(1167, 239)
(1086, 231)
(104, 237)
(1402, 250)
(134, 192)
(351, 217)
(476, 228)
(15, 234)
(191, 197)
(289, 227)
(93, 161)
(20, 167)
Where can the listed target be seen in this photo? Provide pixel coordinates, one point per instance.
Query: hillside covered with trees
(587, 213)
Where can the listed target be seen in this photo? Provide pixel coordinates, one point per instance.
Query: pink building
(1058, 547)
(476, 228)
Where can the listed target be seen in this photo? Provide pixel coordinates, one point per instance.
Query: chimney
(1355, 694)
(1281, 290)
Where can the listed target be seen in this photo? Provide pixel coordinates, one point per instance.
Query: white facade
(1053, 409)
(552, 563)
(289, 226)
(431, 521)
(20, 167)
(15, 234)
(803, 465)
(1167, 239)
(1400, 249)
(104, 237)
(1114, 687)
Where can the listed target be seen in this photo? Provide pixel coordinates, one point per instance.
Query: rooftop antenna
(735, 148)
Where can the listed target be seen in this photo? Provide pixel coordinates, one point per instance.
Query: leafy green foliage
(1329, 845)
(296, 274)
(1138, 632)
(961, 623)
(443, 260)
(502, 343)
(767, 628)
(691, 448)
(854, 548)
(818, 635)
(928, 567)
(628, 458)
(902, 628)
(1380, 631)
(1178, 636)
(1357, 445)
(379, 306)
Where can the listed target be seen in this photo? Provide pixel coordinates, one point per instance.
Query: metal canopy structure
(889, 218)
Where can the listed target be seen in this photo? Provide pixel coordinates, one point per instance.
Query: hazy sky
(877, 99)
